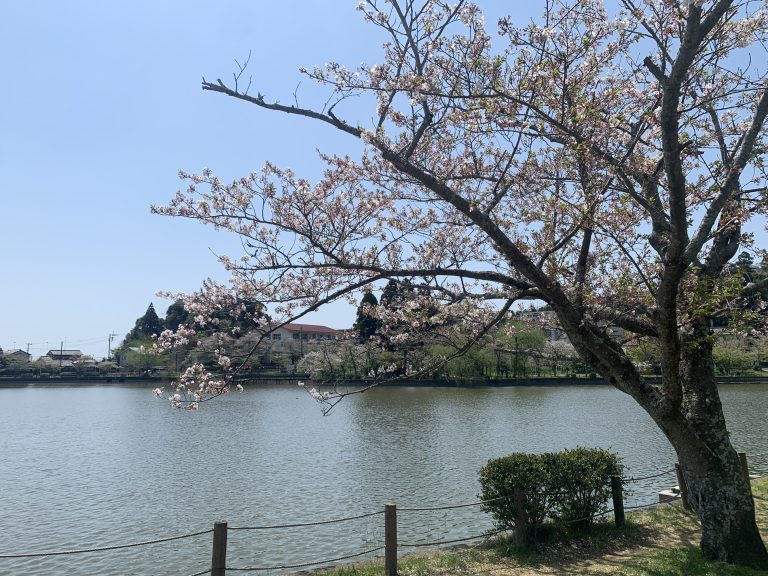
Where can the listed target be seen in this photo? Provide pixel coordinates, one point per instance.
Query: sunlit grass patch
(685, 560)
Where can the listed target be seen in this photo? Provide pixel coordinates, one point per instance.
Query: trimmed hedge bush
(567, 488)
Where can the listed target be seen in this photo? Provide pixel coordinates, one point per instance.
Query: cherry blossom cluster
(195, 385)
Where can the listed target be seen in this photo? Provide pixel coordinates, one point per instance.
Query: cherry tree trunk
(719, 494)
(717, 489)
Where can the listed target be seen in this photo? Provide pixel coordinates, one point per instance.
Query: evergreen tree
(176, 315)
(246, 315)
(745, 268)
(745, 261)
(366, 325)
(394, 294)
(146, 326)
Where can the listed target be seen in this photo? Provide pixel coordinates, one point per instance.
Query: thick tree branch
(631, 323)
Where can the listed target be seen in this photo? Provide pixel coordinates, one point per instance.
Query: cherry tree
(605, 163)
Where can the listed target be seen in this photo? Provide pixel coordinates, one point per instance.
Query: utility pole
(61, 354)
(109, 346)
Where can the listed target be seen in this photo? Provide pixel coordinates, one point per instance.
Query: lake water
(106, 465)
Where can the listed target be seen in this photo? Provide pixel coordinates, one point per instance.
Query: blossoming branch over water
(195, 385)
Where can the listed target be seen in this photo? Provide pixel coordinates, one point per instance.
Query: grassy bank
(658, 542)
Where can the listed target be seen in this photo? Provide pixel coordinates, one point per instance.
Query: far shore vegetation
(527, 344)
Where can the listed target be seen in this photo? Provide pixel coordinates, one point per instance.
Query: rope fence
(652, 476)
(434, 544)
(305, 524)
(452, 506)
(390, 545)
(491, 533)
(102, 548)
(305, 564)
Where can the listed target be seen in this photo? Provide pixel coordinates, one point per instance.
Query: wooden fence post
(520, 535)
(219, 555)
(745, 470)
(682, 486)
(618, 501)
(390, 539)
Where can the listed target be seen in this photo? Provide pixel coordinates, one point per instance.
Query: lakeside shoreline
(117, 380)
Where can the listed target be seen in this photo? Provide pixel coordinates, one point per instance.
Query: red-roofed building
(306, 333)
(291, 342)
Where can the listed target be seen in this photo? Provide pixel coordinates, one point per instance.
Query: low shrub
(502, 477)
(567, 488)
(582, 477)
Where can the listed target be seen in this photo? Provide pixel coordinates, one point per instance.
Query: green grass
(414, 565)
(685, 560)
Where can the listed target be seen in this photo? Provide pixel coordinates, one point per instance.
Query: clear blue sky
(101, 106)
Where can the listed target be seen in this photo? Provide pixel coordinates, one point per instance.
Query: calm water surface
(98, 466)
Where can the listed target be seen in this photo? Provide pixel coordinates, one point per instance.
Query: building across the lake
(62, 357)
(547, 321)
(64, 354)
(295, 332)
(289, 343)
(17, 355)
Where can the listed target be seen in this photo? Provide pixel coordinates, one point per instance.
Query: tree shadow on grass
(605, 548)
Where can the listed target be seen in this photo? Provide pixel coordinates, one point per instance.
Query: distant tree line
(515, 349)
(137, 350)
